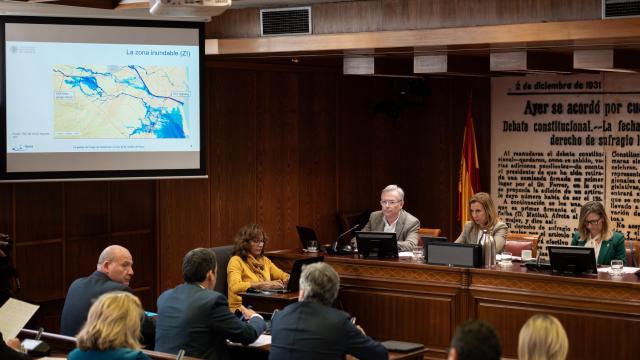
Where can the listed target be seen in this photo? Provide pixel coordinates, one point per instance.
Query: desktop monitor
(453, 254)
(427, 239)
(377, 244)
(572, 260)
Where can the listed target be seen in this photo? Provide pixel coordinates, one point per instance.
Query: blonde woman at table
(249, 267)
(112, 329)
(484, 217)
(542, 337)
(593, 231)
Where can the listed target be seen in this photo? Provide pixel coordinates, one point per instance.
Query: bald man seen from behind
(114, 272)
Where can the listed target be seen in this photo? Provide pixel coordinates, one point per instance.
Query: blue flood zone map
(163, 114)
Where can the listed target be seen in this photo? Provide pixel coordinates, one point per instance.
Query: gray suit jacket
(469, 234)
(199, 321)
(406, 228)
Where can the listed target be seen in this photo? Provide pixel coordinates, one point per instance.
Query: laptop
(294, 279)
(305, 234)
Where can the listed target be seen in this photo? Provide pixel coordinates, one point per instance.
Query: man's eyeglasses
(390, 202)
(592, 222)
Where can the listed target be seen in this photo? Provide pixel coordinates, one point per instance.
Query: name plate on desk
(452, 254)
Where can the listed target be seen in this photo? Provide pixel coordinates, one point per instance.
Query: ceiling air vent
(286, 21)
(620, 8)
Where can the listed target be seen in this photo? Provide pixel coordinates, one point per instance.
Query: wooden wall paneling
(39, 212)
(234, 23)
(86, 208)
(82, 256)
(317, 146)
(385, 15)
(353, 134)
(232, 149)
(6, 209)
(183, 218)
(352, 16)
(133, 205)
(40, 266)
(579, 324)
(427, 173)
(141, 246)
(422, 319)
(277, 156)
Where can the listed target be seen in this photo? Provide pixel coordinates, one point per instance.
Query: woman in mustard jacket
(249, 267)
(593, 231)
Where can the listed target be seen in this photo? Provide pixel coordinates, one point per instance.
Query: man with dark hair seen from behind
(311, 329)
(475, 340)
(194, 317)
(114, 272)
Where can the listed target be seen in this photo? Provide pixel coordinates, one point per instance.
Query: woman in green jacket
(593, 231)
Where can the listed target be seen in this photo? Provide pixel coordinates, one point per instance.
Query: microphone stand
(334, 247)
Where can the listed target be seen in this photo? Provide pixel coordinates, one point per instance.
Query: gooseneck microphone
(334, 247)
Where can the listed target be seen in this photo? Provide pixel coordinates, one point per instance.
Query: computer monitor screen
(453, 254)
(377, 244)
(572, 260)
(428, 239)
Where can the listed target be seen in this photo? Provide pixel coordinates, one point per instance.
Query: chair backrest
(427, 232)
(632, 258)
(223, 254)
(347, 220)
(515, 243)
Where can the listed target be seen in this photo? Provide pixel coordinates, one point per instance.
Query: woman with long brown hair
(249, 267)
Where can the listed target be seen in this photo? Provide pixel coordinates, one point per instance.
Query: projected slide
(102, 96)
(120, 102)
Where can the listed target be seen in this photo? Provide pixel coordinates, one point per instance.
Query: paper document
(405, 254)
(626, 269)
(260, 341)
(14, 315)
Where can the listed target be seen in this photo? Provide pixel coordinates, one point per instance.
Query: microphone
(334, 247)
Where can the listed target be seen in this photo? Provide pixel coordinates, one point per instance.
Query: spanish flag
(469, 182)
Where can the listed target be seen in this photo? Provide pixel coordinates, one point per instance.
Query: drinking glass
(418, 253)
(617, 267)
(505, 259)
(312, 245)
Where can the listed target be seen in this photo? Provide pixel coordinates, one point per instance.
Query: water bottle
(488, 248)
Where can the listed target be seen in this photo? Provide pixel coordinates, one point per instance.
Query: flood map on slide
(120, 102)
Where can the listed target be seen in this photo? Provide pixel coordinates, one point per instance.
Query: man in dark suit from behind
(475, 340)
(114, 272)
(311, 329)
(194, 317)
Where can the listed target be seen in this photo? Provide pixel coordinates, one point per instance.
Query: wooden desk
(61, 345)
(259, 353)
(409, 301)
(266, 303)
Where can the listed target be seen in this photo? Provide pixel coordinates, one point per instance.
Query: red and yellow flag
(469, 182)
